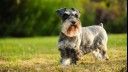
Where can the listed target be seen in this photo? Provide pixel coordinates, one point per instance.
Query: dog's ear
(77, 12)
(73, 9)
(61, 11)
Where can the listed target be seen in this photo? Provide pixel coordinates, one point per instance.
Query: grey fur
(90, 39)
(61, 11)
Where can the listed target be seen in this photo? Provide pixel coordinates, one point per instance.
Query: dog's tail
(101, 24)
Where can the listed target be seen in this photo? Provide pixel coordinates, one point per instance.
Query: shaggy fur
(76, 41)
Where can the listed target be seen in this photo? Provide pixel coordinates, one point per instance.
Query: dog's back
(94, 29)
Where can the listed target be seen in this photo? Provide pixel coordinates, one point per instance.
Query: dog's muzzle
(73, 22)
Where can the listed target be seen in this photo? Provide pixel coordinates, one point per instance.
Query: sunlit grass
(41, 54)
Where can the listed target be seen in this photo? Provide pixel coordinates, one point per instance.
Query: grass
(40, 54)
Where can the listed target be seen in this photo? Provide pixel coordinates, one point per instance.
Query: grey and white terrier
(76, 41)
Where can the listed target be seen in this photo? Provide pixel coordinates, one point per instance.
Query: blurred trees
(38, 17)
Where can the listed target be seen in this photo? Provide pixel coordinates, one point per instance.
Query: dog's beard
(71, 30)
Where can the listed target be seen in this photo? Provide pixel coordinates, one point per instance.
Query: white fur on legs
(97, 55)
(66, 61)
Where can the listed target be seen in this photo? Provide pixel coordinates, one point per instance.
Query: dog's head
(71, 25)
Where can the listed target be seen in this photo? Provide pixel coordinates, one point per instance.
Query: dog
(76, 41)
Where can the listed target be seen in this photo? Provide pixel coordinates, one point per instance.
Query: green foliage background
(20, 18)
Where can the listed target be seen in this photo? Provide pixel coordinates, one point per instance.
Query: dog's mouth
(73, 30)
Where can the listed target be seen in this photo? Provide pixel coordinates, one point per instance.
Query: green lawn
(41, 54)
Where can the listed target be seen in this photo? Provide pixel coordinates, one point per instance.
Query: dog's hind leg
(97, 54)
(103, 51)
(100, 49)
(100, 54)
(102, 46)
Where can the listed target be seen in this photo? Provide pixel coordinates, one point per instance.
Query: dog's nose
(73, 22)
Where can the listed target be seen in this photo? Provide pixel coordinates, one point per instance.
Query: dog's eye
(65, 16)
(76, 15)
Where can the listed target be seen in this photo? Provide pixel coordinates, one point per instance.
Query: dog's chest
(70, 42)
